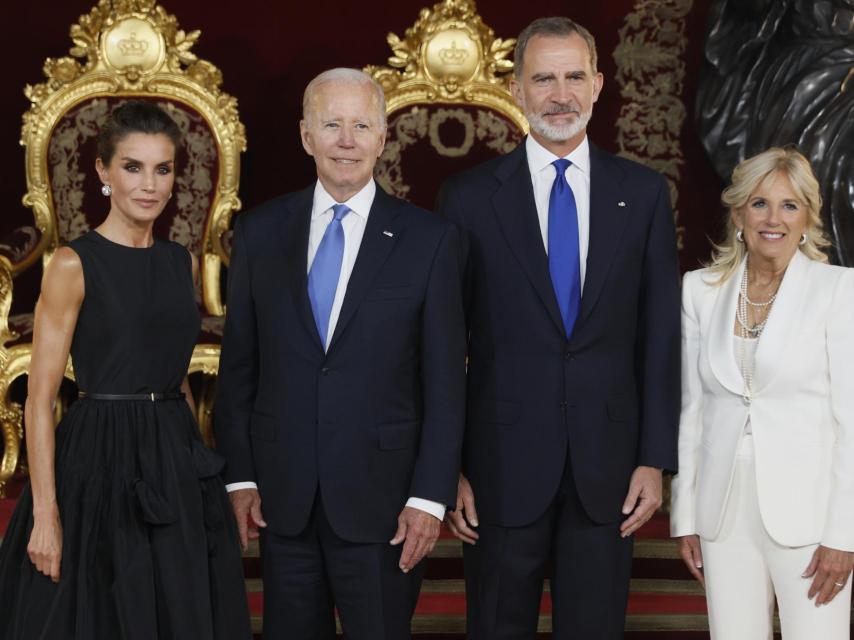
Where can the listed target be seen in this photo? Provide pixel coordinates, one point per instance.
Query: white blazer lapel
(721, 355)
(784, 318)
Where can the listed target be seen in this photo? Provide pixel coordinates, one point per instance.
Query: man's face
(344, 133)
(557, 88)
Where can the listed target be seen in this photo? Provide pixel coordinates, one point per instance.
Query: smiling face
(141, 174)
(772, 220)
(556, 89)
(343, 131)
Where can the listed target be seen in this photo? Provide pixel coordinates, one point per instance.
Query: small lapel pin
(388, 233)
(621, 204)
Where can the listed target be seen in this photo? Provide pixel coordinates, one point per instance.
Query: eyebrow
(129, 159)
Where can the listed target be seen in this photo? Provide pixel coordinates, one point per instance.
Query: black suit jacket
(376, 419)
(610, 395)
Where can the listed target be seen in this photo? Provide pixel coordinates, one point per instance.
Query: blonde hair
(747, 177)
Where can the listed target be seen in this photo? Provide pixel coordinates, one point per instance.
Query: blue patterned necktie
(563, 247)
(325, 270)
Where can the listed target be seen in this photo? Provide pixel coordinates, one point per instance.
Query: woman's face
(773, 220)
(141, 174)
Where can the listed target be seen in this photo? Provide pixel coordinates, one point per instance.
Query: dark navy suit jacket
(609, 397)
(376, 419)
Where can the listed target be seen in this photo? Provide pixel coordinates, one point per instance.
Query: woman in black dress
(124, 531)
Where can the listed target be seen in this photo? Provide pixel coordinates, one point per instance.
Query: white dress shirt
(354, 224)
(543, 175)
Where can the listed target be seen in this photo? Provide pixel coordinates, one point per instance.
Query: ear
(736, 217)
(382, 143)
(103, 174)
(598, 83)
(305, 136)
(516, 90)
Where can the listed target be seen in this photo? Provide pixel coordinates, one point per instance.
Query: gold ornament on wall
(650, 61)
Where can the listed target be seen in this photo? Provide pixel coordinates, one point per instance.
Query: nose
(562, 92)
(775, 216)
(148, 181)
(346, 138)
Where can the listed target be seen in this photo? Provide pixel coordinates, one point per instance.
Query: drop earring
(107, 190)
(803, 239)
(739, 235)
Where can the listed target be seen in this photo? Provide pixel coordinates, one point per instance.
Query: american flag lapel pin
(621, 203)
(388, 233)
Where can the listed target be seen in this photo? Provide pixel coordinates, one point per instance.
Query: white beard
(556, 132)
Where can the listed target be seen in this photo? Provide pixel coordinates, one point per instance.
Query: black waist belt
(153, 397)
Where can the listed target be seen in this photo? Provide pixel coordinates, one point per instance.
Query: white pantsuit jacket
(801, 414)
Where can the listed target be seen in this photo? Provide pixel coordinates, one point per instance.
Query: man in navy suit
(572, 306)
(340, 403)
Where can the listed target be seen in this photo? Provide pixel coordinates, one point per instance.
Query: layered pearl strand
(750, 331)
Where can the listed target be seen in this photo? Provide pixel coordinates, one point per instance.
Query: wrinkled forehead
(337, 99)
(779, 184)
(557, 54)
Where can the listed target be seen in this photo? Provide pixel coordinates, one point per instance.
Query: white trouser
(745, 569)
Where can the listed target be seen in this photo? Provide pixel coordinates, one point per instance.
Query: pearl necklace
(747, 331)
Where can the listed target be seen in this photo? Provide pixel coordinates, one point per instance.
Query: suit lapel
(375, 248)
(721, 351)
(785, 315)
(607, 221)
(516, 211)
(295, 230)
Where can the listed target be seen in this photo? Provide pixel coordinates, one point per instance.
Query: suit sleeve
(449, 207)
(443, 377)
(238, 368)
(839, 524)
(658, 340)
(682, 502)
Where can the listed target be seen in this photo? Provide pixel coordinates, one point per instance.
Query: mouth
(345, 161)
(772, 235)
(146, 203)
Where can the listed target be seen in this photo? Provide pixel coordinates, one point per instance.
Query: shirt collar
(540, 158)
(360, 204)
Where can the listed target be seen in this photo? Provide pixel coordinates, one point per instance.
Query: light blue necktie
(325, 270)
(563, 247)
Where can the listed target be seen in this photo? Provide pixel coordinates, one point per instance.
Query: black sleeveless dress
(150, 548)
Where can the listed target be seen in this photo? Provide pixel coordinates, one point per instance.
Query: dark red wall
(268, 50)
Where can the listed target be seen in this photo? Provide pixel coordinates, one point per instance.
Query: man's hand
(246, 504)
(692, 556)
(420, 530)
(643, 499)
(464, 517)
(831, 568)
(45, 545)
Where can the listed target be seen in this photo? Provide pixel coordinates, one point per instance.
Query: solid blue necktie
(563, 247)
(325, 270)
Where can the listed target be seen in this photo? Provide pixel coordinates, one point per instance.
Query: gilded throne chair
(122, 49)
(448, 101)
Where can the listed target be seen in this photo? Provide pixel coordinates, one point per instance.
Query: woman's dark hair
(135, 116)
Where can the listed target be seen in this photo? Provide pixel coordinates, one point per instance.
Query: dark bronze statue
(782, 72)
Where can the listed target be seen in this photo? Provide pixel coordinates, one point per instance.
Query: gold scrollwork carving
(134, 48)
(438, 118)
(650, 73)
(449, 56)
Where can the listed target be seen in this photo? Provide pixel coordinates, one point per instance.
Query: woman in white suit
(763, 504)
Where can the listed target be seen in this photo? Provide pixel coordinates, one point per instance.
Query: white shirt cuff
(435, 509)
(234, 486)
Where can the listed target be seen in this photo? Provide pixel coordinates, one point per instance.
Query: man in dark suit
(572, 305)
(340, 402)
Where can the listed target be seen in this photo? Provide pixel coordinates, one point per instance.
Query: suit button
(563, 406)
(567, 355)
(325, 371)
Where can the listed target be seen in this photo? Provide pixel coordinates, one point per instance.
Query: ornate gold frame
(449, 56)
(134, 48)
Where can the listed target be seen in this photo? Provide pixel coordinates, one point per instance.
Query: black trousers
(307, 577)
(589, 565)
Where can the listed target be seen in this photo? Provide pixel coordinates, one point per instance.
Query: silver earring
(803, 239)
(739, 235)
(107, 190)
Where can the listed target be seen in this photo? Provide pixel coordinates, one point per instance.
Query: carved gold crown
(131, 46)
(449, 55)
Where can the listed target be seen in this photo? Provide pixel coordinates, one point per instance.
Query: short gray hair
(344, 75)
(559, 27)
